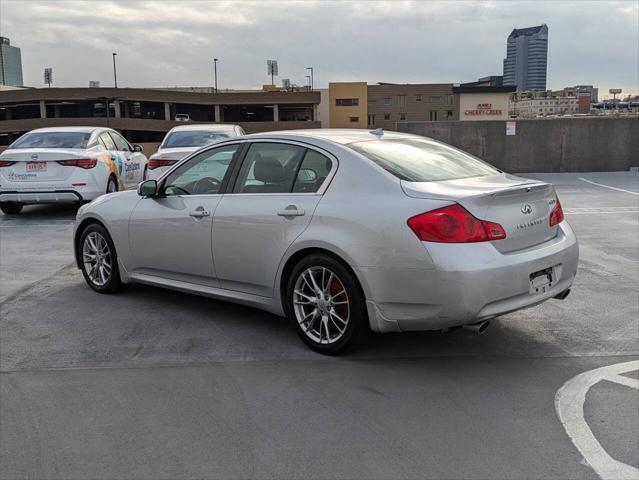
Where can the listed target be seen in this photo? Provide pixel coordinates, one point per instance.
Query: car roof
(214, 127)
(342, 136)
(68, 129)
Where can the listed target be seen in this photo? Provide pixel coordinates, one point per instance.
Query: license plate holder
(542, 280)
(36, 166)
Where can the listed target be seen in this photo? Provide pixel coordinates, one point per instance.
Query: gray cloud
(167, 43)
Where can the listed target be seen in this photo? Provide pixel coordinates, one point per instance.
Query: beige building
(484, 103)
(347, 104)
(390, 103)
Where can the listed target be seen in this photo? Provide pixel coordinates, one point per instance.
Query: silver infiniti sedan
(343, 231)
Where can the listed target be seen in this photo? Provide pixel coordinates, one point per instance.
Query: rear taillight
(85, 163)
(557, 214)
(156, 163)
(454, 224)
(5, 163)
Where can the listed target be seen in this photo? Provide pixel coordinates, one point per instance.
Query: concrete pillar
(276, 113)
(218, 114)
(116, 109)
(43, 109)
(167, 111)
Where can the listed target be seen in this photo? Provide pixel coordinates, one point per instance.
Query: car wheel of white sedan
(112, 185)
(326, 305)
(99, 260)
(10, 208)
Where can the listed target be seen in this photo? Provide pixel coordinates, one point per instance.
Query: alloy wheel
(96, 257)
(321, 305)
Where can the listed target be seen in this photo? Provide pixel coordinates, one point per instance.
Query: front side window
(192, 138)
(417, 160)
(52, 140)
(202, 174)
(269, 168)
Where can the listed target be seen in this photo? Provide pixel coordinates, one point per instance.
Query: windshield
(52, 140)
(193, 138)
(418, 160)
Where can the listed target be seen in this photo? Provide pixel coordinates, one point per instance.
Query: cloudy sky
(171, 42)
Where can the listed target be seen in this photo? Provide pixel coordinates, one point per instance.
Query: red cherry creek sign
(484, 109)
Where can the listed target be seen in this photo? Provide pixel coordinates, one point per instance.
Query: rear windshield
(52, 140)
(193, 138)
(417, 160)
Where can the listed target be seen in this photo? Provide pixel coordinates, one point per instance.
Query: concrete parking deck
(157, 384)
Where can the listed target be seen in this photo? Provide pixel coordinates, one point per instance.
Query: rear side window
(269, 168)
(107, 141)
(52, 140)
(120, 143)
(417, 160)
(312, 173)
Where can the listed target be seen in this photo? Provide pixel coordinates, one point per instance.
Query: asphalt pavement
(157, 384)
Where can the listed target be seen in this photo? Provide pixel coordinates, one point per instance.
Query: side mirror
(138, 148)
(148, 188)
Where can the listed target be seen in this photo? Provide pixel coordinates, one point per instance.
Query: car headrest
(268, 169)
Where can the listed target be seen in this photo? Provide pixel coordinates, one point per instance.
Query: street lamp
(308, 81)
(215, 69)
(311, 69)
(115, 73)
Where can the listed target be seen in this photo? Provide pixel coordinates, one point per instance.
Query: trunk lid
(521, 206)
(174, 153)
(39, 165)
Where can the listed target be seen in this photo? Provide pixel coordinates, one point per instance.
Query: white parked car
(186, 139)
(67, 164)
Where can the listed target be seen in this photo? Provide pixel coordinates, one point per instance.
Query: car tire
(112, 185)
(327, 320)
(10, 208)
(99, 260)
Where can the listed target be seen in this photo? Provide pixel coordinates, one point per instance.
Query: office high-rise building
(10, 64)
(527, 58)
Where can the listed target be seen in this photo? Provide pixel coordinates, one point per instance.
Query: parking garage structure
(145, 115)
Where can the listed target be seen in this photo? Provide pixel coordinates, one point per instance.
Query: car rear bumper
(41, 196)
(470, 282)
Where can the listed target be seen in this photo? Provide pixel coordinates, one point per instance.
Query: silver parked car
(343, 231)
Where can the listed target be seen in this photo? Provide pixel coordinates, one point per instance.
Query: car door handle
(291, 211)
(199, 212)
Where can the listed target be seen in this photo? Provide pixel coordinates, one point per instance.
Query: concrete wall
(552, 145)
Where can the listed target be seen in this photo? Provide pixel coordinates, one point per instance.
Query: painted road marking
(608, 186)
(589, 210)
(569, 403)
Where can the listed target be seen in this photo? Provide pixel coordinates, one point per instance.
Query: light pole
(308, 81)
(215, 69)
(311, 69)
(115, 73)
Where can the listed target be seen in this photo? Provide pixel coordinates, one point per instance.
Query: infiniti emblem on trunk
(526, 208)
(34, 156)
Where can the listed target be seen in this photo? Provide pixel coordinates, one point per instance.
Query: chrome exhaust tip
(478, 328)
(563, 294)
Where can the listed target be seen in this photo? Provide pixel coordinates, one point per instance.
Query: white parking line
(608, 186)
(569, 403)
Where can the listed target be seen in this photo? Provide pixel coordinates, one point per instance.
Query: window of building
(347, 102)
(371, 119)
(353, 119)
(401, 100)
(387, 101)
(449, 99)
(387, 116)
(371, 103)
(449, 115)
(435, 98)
(433, 115)
(418, 98)
(402, 116)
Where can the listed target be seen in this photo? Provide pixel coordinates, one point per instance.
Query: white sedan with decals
(67, 164)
